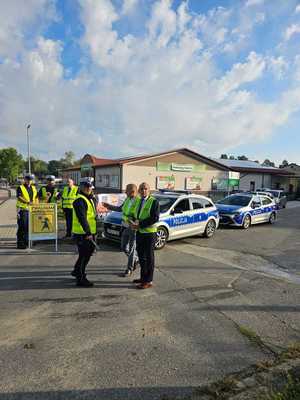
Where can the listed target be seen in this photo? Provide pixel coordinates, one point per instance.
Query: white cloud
(129, 6)
(251, 3)
(297, 9)
(291, 31)
(158, 90)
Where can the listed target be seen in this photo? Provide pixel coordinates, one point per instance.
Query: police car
(182, 214)
(246, 209)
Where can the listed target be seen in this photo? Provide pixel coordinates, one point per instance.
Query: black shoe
(22, 246)
(127, 273)
(84, 283)
(75, 273)
(137, 281)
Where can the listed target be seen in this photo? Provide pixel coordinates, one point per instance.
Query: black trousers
(22, 232)
(145, 249)
(85, 250)
(69, 218)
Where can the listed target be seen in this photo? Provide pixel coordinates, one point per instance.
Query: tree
(68, 159)
(243, 158)
(54, 166)
(224, 157)
(11, 164)
(284, 164)
(268, 163)
(231, 158)
(38, 167)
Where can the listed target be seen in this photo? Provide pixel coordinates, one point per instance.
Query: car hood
(226, 209)
(114, 217)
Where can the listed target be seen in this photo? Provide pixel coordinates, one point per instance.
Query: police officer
(146, 215)
(49, 193)
(68, 196)
(84, 229)
(26, 195)
(128, 238)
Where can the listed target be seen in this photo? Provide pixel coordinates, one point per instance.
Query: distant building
(179, 169)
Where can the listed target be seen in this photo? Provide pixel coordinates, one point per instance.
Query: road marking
(242, 261)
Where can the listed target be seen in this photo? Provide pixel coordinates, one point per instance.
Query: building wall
(107, 179)
(260, 180)
(146, 171)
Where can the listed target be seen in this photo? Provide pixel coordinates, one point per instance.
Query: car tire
(210, 229)
(272, 218)
(161, 238)
(246, 222)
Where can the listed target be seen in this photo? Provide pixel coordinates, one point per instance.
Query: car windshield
(165, 202)
(274, 193)
(242, 201)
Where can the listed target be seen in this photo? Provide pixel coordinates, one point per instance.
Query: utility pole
(28, 148)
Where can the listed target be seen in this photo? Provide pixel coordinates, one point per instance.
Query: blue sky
(121, 77)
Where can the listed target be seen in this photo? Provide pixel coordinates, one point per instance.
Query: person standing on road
(49, 193)
(26, 195)
(68, 196)
(84, 230)
(128, 238)
(146, 215)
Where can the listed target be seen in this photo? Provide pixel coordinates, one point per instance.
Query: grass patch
(290, 392)
(251, 335)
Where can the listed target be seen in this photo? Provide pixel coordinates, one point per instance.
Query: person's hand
(102, 208)
(89, 237)
(134, 225)
(48, 194)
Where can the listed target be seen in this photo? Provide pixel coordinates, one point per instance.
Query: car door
(256, 212)
(201, 208)
(181, 218)
(267, 208)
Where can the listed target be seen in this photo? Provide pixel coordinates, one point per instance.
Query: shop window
(103, 180)
(114, 181)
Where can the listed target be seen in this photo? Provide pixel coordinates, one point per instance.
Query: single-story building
(179, 169)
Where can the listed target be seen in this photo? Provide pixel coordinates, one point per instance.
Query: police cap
(50, 178)
(88, 182)
(29, 177)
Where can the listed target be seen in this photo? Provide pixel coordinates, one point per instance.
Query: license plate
(113, 232)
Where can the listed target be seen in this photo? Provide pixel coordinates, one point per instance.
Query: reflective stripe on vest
(52, 198)
(129, 208)
(68, 198)
(90, 216)
(25, 195)
(144, 214)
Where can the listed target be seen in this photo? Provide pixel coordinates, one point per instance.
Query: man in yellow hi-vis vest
(26, 195)
(68, 196)
(146, 215)
(84, 229)
(49, 193)
(128, 238)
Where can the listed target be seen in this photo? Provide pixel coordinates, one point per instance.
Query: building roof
(252, 166)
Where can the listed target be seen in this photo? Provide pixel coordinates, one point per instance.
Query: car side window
(183, 205)
(256, 202)
(266, 201)
(201, 203)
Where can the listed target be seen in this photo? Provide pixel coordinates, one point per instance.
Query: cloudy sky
(124, 77)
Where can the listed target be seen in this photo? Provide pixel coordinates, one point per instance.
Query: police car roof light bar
(175, 191)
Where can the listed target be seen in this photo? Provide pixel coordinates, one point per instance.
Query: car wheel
(161, 238)
(210, 229)
(247, 222)
(272, 218)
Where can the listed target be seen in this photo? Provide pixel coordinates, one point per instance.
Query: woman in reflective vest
(84, 230)
(146, 216)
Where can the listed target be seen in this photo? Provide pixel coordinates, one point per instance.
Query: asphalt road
(115, 342)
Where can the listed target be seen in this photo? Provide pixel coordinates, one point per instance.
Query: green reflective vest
(53, 198)
(145, 213)
(128, 209)
(26, 197)
(90, 215)
(68, 197)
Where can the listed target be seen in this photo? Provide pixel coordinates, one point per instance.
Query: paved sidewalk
(8, 220)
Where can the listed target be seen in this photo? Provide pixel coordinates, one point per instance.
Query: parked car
(279, 196)
(182, 214)
(246, 209)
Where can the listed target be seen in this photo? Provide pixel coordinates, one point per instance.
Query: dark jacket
(80, 208)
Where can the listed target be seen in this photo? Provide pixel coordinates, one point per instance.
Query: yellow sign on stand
(43, 222)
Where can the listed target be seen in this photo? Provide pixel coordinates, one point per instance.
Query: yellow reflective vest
(90, 215)
(26, 197)
(144, 214)
(129, 209)
(68, 197)
(44, 198)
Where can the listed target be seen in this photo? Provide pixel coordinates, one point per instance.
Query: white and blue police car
(182, 214)
(246, 209)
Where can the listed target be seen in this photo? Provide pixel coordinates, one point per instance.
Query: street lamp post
(28, 148)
